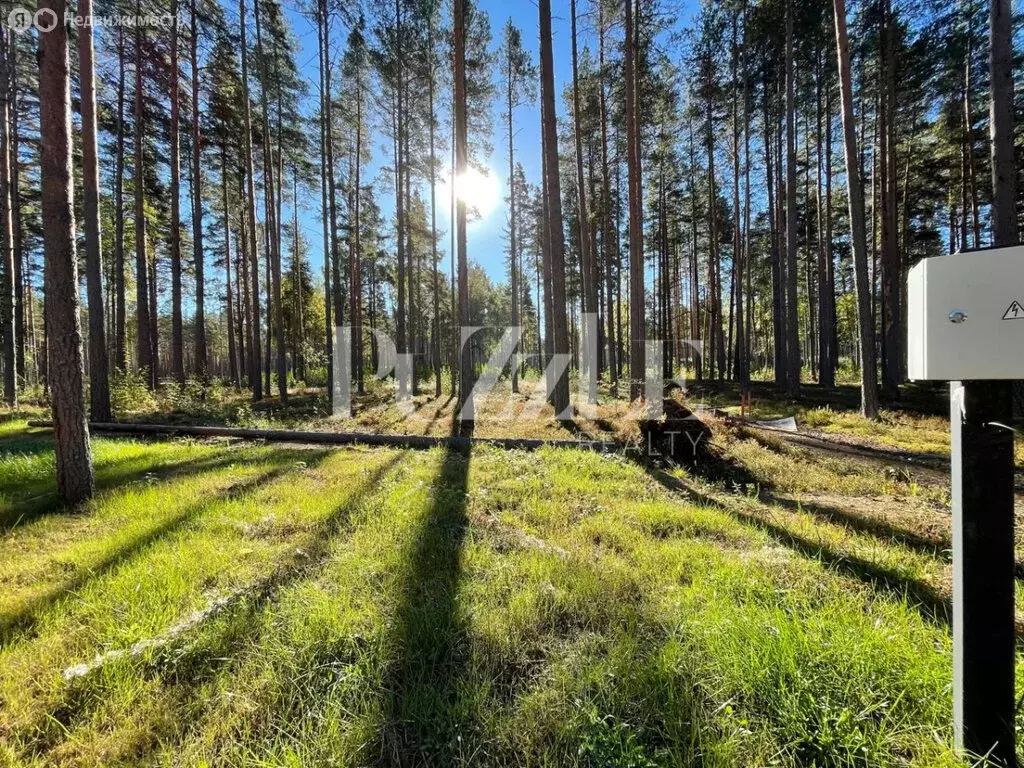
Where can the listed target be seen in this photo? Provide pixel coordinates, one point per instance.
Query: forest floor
(229, 603)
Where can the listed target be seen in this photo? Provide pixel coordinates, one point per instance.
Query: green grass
(381, 607)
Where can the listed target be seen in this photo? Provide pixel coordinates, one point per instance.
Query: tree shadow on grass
(30, 441)
(192, 658)
(23, 618)
(932, 603)
(40, 499)
(438, 411)
(934, 545)
(938, 545)
(427, 721)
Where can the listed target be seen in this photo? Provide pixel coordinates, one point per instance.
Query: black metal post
(983, 569)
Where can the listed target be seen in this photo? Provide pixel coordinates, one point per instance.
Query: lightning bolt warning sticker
(1015, 312)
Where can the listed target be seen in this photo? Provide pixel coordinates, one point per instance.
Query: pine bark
(402, 342)
(556, 234)
(792, 318)
(774, 226)
(64, 334)
(145, 360)
(969, 130)
(435, 332)
(637, 335)
(589, 261)
(99, 386)
(465, 398)
(855, 194)
(298, 355)
(326, 212)
(608, 232)
(747, 341)
(120, 321)
(513, 243)
(695, 324)
(826, 280)
(890, 256)
(355, 243)
(197, 203)
(271, 228)
(1004, 180)
(20, 264)
(7, 281)
(716, 354)
(229, 300)
(177, 332)
(255, 364)
(737, 242)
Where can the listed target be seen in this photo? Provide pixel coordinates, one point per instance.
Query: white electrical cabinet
(965, 316)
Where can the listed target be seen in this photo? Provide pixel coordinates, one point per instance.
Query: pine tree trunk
(833, 324)
(275, 314)
(792, 318)
(298, 355)
(325, 210)
(64, 334)
(608, 233)
(716, 355)
(412, 299)
(177, 340)
(665, 292)
(637, 335)
(20, 265)
(737, 242)
(969, 130)
(233, 357)
(120, 322)
(513, 245)
(242, 274)
(267, 233)
(589, 262)
(826, 287)
(144, 346)
(774, 225)
(356, 266)
(695, 324)
(7, 281)
(869, 381)
(154, 320)
(466, 377)
(197, 203)
(556, 234)
(400, 171)
(548, 281)
(99, 387)
(1004, 180)
(890, 257)
(747, 259)
(255, 364)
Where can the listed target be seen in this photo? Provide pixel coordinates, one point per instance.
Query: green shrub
(129, 392)
(316, 376)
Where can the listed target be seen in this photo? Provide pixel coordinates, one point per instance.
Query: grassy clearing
(502, 608)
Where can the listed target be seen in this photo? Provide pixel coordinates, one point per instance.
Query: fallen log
(422, 442)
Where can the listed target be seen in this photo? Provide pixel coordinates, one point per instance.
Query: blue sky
(486, 236)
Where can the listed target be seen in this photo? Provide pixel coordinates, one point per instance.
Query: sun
(478, 189)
